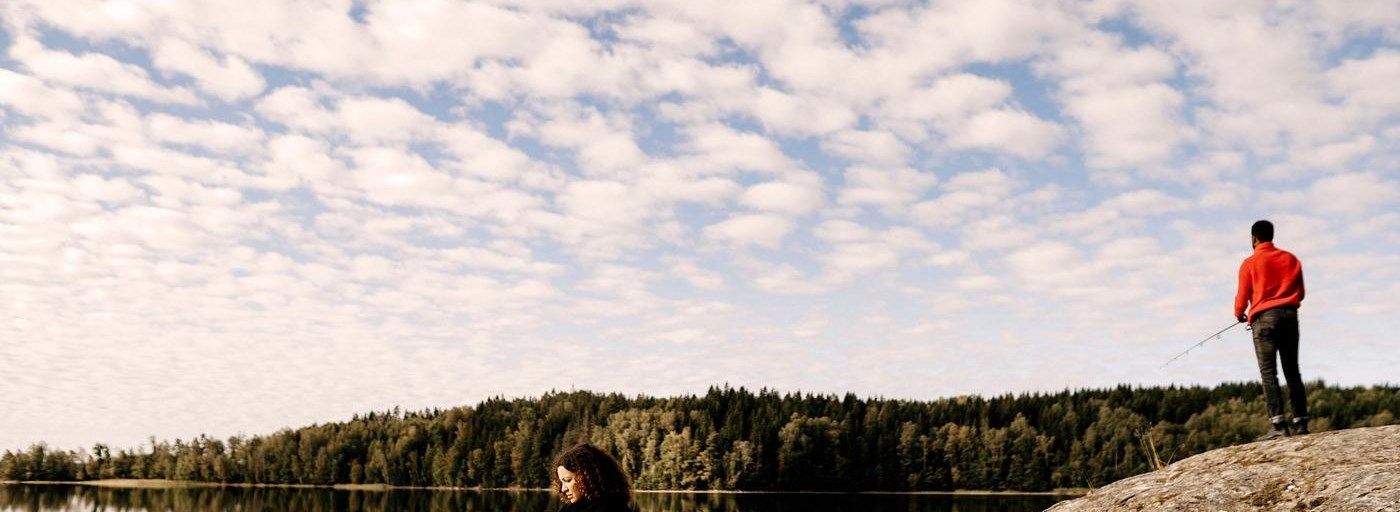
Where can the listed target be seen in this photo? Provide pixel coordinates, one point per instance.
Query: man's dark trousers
(1275, 339)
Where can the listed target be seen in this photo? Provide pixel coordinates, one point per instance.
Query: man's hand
(1242, 319)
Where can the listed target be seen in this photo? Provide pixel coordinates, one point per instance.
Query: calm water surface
(53, 498)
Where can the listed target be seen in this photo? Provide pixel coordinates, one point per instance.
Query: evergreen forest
(737, 439)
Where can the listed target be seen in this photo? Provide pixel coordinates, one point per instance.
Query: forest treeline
(739, 439)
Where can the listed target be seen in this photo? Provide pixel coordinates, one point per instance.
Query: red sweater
(1269, 278)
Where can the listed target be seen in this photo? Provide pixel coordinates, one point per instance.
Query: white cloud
(1337, 155)
(102, 19)
(502, 257)
(785, 280)
(211, 135)
(785, 114)
(713, 89)
(1121, 215)
(978, 283)
(568, 63)
(1365, 83)
(175, 192)
(44, 208)
(293, 159)
(61, 137)
(418, 42)
(484, 157)
(673, 35)
(170, 162)
(794, 194)
(371, 268)
(94, 71)
(1145, 202)
(891, 189)
(1131, 253)
(401, 191)
(721, 150)
(605, 147)
(1261, 71)
(950, 99)
(1353, 194)
(1361, 15)
(845, 261)
(936, 37)
(229, 78)
(667, 185)
(698, 277)
(1247, 59)
(1054, 267)
(1224, 196)
(856, 249)
(296, 107)
(361, 119)
(394, 177)
(871, 147)
(807, 54)
(113, 191)
(1009, 131)
(1120, 98)
(373, 120)
(836, 231)
(32, 97)
(608, 202)
(907, 239)
(764, 230)
(949, 259)
(996, 233)
(619, 280)
(965, 195)
(158, 229)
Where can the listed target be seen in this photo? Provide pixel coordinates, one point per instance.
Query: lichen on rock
(1343, 471)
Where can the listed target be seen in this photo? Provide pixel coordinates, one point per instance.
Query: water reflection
(56, 498)
(769, 502)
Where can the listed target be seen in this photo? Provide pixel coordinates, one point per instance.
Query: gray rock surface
(1342, 470)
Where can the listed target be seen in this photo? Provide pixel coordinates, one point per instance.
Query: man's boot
(1300, 426)
(1278, 429)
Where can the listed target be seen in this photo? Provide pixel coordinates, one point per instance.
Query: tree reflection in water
(63, 498)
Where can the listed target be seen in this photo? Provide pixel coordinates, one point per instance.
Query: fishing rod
(1215, 336)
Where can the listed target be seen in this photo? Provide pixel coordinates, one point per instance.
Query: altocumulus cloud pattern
(234, 216)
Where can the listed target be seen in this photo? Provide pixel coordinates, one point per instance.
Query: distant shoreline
(180, 484)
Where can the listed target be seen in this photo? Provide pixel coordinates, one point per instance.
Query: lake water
(54, 498)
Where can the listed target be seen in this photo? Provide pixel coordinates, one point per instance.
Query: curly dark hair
(599, 475)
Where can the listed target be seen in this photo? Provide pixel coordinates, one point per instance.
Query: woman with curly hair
(590, 480)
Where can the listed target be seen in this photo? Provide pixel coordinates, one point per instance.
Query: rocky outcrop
(1343, 470)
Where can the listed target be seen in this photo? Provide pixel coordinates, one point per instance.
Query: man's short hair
(1263, 231)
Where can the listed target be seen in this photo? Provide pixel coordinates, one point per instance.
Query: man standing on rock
(1271, 286)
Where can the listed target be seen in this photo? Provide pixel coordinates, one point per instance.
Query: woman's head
(584, 473)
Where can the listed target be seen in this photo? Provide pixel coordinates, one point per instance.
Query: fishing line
(1215, 336)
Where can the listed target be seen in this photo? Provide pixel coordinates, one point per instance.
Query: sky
(234, 216)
